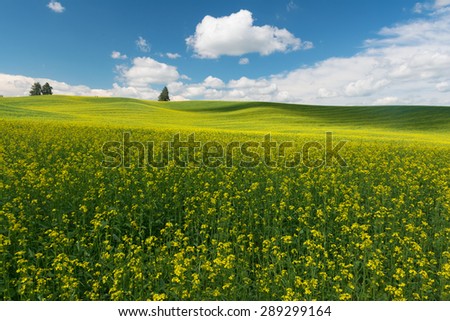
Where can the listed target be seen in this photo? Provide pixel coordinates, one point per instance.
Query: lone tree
(164, 96)
(36, 89)
(47, 89)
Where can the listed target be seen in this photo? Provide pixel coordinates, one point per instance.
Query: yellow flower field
(376, 229)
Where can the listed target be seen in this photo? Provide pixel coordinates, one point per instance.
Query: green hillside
(387, 121)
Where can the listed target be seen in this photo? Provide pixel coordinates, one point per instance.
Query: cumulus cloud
(244, 61)
(249, 89)
(17, 85)
(118, 55)
(146, 71)
(213, 82)
(143, 44)
(56, 6)
(235, 35)
(443, 86)
(442, 3)
(173, 55)
(386, 101)
(136, 82)
(407, 63)
(243, 89)
(325, 93)
(421, 7)
(365, 86)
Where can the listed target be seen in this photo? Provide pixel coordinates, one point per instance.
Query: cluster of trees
(37, 89)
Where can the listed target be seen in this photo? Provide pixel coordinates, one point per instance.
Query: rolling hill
(426, 122)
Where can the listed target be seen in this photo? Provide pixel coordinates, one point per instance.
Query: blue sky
(308, 51)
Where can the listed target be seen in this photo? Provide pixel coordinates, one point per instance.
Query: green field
(390, 121)
(71, 229)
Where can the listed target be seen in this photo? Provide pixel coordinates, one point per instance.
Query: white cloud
(325, 93)
(118, 55)
(441, 3)
(420, 7)
(136, 82)
(143, 44)
(146, 71)
(386, 101)
(14, 85)
(235, 35)
(244, 61)
(365, 87)
(213, 82)
(133, 92)
(173, 55)
(408, 63)
(443, 86)
(253, 88)
(56, 6)
(213, 88)
(17, 85)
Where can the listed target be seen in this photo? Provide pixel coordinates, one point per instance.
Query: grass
(431, 123)
(70, 229)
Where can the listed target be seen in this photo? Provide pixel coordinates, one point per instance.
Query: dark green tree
(47, 89)
(36, 89)
(164, 96)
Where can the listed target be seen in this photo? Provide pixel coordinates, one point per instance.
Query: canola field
(72, 229)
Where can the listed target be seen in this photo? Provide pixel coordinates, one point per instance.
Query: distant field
(390, 121)
(72, 229)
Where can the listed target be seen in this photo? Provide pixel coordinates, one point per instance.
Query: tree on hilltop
(47, 89)
(164, 96)
(36, 89)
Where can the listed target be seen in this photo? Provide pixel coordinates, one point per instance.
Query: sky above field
(348, 52)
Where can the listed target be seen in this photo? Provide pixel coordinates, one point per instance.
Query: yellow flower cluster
(377, 229)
